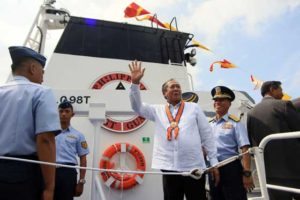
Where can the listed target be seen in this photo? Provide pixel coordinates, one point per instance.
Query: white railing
(260, 165)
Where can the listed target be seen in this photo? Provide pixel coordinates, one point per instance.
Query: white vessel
(89, 67)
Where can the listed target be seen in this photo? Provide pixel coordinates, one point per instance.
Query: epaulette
(211, 119)
(234, 118)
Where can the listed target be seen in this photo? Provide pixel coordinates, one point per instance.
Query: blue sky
(272, 54)
(262, 37)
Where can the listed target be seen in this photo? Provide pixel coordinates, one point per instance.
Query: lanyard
(174, 122)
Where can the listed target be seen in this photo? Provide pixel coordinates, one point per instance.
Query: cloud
(112, 10)
(212, 18)
(289, 73)
(207, 19)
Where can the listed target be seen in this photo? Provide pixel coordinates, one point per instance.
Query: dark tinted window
(105, 39)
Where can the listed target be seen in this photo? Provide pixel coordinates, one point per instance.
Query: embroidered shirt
(184, 153)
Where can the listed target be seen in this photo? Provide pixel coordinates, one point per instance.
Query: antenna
(47, 18)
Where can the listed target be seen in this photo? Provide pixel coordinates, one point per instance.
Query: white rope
(231, 159)
(93, 168)
(194, 173)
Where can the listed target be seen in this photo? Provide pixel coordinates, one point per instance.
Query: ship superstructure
(89, 67)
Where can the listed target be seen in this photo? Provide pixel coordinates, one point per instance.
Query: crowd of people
(33, 127)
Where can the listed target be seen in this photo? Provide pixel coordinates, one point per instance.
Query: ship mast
(47, 18)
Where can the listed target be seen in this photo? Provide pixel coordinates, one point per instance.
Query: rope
(195, 173)
(92, 168)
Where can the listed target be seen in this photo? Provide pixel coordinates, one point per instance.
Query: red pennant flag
(223, 64)
(134, 10)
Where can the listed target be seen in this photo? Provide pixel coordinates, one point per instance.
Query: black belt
(70, 164)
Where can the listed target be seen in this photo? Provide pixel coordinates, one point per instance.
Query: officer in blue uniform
(29, 121)
(231, 135)
(70, 144)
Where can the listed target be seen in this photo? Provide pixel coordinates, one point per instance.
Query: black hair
(266, 86)
(19, 63)
(65, 104)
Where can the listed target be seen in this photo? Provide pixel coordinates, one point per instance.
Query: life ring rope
(121, 180)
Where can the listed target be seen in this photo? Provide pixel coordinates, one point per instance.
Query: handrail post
(260, 164)
(260, 167)
(97, 117)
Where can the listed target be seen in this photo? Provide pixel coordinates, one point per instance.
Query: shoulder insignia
(234, 118)
(84, 145)
(211, 119)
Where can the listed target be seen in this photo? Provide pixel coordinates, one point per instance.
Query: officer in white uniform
(231, 135)
(29, 121)
(70, 144)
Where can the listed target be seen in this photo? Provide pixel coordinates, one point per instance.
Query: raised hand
(136, 71)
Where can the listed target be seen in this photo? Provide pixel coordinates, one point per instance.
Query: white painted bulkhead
(72, 77)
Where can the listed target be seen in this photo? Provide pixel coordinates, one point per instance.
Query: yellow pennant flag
(286, 97)
(200, 45)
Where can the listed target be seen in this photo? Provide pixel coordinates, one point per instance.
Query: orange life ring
(118, 180)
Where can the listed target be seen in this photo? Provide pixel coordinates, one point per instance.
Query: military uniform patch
(84, 145)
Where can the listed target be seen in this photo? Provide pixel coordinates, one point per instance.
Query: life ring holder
(119, 180)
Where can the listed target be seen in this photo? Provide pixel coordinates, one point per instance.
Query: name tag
(72, 136)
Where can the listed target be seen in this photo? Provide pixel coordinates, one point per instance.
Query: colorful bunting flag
(151, 18)
(257, 83)
(223, 64)
(170, 27)
(134, 10)
(200, 45)
(286, 97)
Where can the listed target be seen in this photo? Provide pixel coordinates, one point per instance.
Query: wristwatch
(82, 181)
(247, 173)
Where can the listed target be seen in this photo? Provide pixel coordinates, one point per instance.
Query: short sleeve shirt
(70, 144)
(26, 110)
(230, 136)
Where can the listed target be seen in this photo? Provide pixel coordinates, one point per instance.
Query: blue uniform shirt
(230, 136)
(26, 109)
(70, 143)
